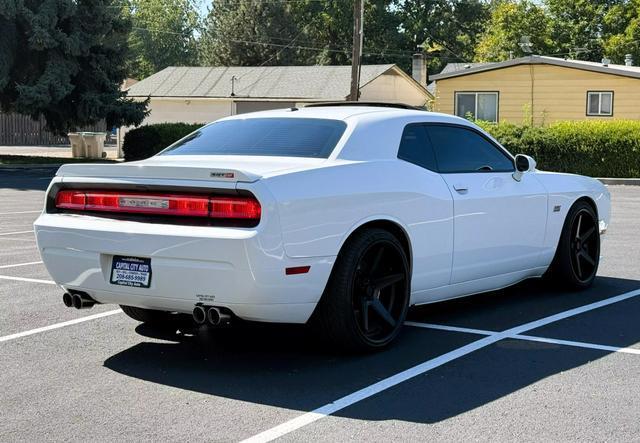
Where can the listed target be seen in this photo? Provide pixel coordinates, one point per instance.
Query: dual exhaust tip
(78, 300)
(211, 315)
(201, 314)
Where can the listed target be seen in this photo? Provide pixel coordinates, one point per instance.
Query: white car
(341, 216)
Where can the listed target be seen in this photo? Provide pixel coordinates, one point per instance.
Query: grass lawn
(29, 159)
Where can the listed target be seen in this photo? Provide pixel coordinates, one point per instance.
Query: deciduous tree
(510, 21)
(447, 29)
(248, 33)
(163, 34)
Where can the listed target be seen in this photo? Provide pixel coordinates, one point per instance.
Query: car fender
(564, 190)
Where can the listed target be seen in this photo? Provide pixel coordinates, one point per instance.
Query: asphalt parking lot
(525, 363)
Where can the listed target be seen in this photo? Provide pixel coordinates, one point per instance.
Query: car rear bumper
(242, 269)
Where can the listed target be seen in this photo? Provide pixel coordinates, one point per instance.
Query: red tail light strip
(182, 205)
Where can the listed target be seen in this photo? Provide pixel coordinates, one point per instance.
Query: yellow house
(539, 90)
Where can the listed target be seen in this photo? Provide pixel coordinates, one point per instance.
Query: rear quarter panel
(320, 208)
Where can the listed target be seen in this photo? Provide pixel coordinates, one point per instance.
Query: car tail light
(233, 207)
(181, 205)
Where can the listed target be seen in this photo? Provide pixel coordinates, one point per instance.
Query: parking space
(526, 363)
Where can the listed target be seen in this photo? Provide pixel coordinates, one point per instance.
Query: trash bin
(77, 145)
(94, 143)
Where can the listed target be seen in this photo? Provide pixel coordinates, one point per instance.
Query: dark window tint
(463, 150)
(416, 148)
(292, 137)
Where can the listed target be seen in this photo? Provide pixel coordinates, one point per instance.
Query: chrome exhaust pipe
(217, 318)
(199, 315)
(67, 299)
(81, 300)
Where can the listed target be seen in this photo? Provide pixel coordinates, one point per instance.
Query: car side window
(458, 149)
(416, 148)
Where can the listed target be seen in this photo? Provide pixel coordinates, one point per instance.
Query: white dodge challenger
(342, 216)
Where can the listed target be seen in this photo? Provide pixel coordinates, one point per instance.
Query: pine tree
(62, 59)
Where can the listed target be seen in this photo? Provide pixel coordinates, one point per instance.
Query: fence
(22, 130)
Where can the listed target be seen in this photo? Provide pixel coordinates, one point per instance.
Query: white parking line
(59, 325)
(555, 341)
(578, 344)
(17, 232)
(368, 391)
(21, 264)
(449, 328)
(30, 280)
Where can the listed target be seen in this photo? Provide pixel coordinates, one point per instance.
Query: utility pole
(358, 19)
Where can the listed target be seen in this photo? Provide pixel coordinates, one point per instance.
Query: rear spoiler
(133, 170)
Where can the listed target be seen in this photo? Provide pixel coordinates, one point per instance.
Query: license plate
(131, 271)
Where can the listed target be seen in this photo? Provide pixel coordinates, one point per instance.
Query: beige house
(539, 89)
(203, 94)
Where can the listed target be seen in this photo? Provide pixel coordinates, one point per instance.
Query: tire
(149, 316)
(578, 254)
(366, 299)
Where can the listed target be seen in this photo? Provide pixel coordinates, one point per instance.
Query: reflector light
(184, 205)
(297, 270)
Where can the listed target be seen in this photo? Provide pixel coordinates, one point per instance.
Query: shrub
(148, 140)
(594, 148)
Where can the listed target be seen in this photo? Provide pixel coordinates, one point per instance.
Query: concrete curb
(621, 181)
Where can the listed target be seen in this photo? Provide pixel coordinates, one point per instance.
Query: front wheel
(578, 255)
(367, 297)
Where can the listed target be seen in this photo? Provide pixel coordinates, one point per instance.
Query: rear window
(290, 137)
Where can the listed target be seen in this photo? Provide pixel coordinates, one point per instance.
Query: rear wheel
(149, 316)
(578, 254)
(367, 297)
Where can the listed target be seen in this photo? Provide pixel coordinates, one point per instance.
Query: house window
(477, 105)
(600, 103)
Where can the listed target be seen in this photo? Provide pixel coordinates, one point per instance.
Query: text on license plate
(131, 271)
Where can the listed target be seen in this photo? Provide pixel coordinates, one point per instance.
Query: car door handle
(461, 188)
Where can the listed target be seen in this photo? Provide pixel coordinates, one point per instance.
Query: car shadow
(23, 179)
(284, 366)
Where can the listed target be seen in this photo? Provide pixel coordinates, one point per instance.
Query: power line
(280, 45)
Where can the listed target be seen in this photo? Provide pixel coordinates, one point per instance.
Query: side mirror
(524, 164)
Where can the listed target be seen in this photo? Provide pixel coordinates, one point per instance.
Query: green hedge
(594, 148)
(148, 140)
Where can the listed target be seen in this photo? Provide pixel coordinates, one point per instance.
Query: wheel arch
(590, 201)
(393, 226)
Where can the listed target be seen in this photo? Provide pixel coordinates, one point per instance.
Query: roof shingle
(303, 82)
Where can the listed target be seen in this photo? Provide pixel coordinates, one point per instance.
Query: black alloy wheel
(585, 246)
(578, 254)
(378, 294)
(366, 299)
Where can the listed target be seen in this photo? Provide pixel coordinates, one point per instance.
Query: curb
(621, 181)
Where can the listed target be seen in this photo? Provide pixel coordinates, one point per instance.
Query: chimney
(628, 59)
(419, 69)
